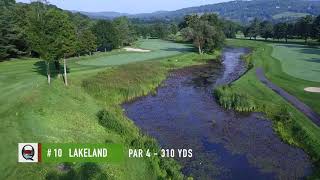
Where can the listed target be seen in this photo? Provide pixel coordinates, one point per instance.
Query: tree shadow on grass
(315, 51)
(315, 60)
(85, 171)
(309, 43)
(55, 68)
(186, 49)
(302, 48)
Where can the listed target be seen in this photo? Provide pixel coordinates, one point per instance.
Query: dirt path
(315, 117)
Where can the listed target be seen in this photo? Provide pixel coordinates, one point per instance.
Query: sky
(127, 6)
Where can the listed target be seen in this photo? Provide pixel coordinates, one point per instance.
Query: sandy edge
(135, 49)
(312, 89)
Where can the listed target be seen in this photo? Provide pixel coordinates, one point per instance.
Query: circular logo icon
(28, 152)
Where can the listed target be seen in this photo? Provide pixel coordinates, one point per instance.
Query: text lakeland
(88, 153)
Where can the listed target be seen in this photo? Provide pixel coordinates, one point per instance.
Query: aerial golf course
(99, 84)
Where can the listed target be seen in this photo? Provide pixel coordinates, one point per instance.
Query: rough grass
(301, 131)
(32, 111)
(299, 61)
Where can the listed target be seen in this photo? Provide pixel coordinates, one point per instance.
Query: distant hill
(242, 11)
(102, 15)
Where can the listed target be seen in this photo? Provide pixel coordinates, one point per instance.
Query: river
(238, 146)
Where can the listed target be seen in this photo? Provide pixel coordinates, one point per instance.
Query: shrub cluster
(110, 122)
(248, 59)
(230, 99)
(283, 115)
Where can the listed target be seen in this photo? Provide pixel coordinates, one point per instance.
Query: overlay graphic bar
(72, 152)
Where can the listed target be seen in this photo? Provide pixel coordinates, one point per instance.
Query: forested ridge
(240, 11)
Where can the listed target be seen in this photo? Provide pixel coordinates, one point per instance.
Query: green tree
(230, 29)
(304, 27)
(204, 34)
(51, 35)
(124, 31)
(62, 36)
(246, 32)
(316, 28)
(291, 30)
(37, 36)
(63, 32)
(173, 29)
(254, 29)
(212, 19)
(266, 29)
(86, 42)
(160, 30)
(281, 31)
(107, 35)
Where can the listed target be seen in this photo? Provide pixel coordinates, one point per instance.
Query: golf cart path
(306, 110)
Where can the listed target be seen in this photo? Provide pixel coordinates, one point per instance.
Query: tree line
(303, 28)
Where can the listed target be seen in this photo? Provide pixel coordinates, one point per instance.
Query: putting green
(299, 61)
(159, 49)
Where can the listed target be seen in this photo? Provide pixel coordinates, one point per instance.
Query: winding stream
(238, 146)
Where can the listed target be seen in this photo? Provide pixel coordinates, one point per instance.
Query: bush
(110, 122)
(84, 171)
(171, 168)
(230, 99)
(283, 115)
(248, 59)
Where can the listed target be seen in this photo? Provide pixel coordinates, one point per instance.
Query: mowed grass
(159, 49)
(32, 111)
(299, 61)
(289, 15)
(301, 131)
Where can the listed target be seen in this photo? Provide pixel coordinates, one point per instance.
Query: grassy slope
(299, 61)
(31, 111)
(308, 136)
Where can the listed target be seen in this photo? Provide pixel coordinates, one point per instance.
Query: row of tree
(304, 28)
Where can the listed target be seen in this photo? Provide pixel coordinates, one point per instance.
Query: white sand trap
(135, 49)
(313, 89)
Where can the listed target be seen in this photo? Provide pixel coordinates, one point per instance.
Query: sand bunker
(313, 89)
(135, 49)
